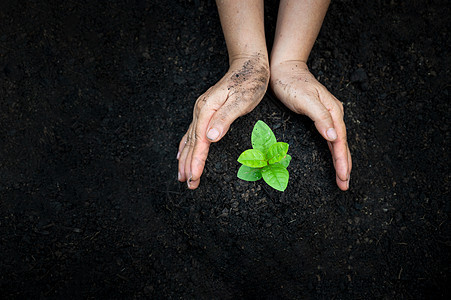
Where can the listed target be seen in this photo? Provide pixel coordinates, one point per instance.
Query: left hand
(235, 95)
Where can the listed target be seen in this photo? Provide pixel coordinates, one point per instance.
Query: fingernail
(179, 176)
(178, 154)
(188, 182)
(331, 133)
(213, 134)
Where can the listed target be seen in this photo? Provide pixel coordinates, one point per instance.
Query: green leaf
(253, 158)
(276, 176)
(276, 152)
(262, 137)
(249, 174)
(285, 161)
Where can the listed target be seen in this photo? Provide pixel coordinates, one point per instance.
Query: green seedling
(268, 159)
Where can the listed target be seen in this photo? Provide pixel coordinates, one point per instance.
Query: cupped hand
(299, 90)
(236, 94)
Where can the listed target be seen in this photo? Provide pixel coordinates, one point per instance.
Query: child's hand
(236, 94)
(298, 89)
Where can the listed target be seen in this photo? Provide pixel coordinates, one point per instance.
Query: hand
(236, 94)
(298, 89)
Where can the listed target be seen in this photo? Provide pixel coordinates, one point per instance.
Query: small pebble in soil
(225, 213)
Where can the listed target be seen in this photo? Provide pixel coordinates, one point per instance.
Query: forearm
(243, 27)
(298, 25)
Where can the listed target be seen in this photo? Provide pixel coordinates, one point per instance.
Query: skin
(298, 25)
(245, 83)
(236, 94)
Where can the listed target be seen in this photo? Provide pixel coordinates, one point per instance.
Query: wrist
(257, 62)
(249, 71)
(293, 65)
(282, 61)
(260, 58)
(296, 69)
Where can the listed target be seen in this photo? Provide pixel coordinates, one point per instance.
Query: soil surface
(95, 96)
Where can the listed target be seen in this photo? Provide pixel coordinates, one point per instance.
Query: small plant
(267, 159)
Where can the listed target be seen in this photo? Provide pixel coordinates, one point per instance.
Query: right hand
(236, 94)
(299, 90)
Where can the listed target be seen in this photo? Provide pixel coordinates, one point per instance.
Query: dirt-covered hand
(299, 90)
(235, 95)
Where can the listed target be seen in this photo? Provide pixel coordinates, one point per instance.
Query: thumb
(325, 125)
(320, 115)
(222, 119)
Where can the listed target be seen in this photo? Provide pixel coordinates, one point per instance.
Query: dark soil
(94, 99)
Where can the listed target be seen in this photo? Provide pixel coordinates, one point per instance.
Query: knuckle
(190, 141)
(197, 135)
(183, 140)
(200, 103)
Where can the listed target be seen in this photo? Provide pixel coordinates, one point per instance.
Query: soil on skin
(94, 99)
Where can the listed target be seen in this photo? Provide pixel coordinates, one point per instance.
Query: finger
(341, 163)
(340, 145)
(193, 184)
(189, 151)
(342, 185)
(183, 156)
(222, 119)
(340, 156)
(199, 156)
(188, 167)
(201, 142)
(181, 145)
(182, 160)
(206, 105)
(331, 151)
(311, 106)
(349, 167)
(349, 162)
